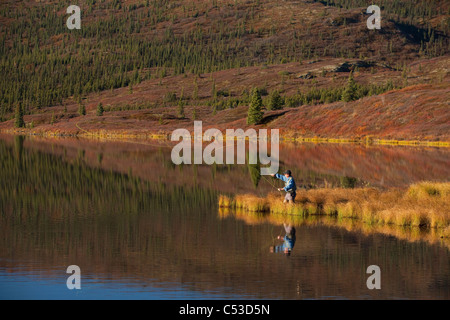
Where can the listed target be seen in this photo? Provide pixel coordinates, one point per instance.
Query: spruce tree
(19, 123)
(181, 109)
(349, 93)
(275, 101)
(195, 93)
(81, 110)
(255, 113)
(100, 110)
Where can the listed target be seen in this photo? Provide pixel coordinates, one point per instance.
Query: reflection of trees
(315, 165)
(255, 173)
(18, 146)
(254, 170)
(45, 182)
(53, 212)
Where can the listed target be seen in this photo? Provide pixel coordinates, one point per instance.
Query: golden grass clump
(334, 197)
(225, 201)
(330, 208)
(251, 203)
(425, 190)
(312, 208)
(419, 218)
(403, 217)
(368, 212)
(276, 204)
(445, 233)
(317, 196)
(347, 210)
(387, 216)
(302, 197)
(439, 219)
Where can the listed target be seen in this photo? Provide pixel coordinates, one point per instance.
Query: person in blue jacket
(289, 185)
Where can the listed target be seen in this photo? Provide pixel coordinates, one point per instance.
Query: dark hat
(287, 172)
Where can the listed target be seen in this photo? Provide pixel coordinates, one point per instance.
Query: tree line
(350, 92)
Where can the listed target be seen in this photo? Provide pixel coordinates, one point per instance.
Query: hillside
(416, 112)
(157, 65)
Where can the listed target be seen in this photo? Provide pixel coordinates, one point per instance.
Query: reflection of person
(289, 186)
(288, 241)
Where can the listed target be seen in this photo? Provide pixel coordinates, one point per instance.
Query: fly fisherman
(289, 185)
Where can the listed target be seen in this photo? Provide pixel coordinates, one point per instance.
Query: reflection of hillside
(57, 213)
(377, 165)
(310, 163)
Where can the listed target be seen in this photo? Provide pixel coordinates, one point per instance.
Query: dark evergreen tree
(180, 110)
(19, 122)
(100, 110)
(255, 113)
(81, 110)
(276, 102)
(350, 91)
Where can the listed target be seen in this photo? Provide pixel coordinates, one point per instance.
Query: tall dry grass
(426, 190)
(424, 204)
(251, 203)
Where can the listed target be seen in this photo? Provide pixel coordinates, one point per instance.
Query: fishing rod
(273, 186)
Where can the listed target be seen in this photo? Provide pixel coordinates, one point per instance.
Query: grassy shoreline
(424, 204)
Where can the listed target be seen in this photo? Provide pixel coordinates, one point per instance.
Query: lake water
(140, 227)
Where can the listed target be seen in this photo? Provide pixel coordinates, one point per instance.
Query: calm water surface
(141, 228)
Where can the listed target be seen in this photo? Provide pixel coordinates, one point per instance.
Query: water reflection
(312, 165)
(288, 241)
(125, 215)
